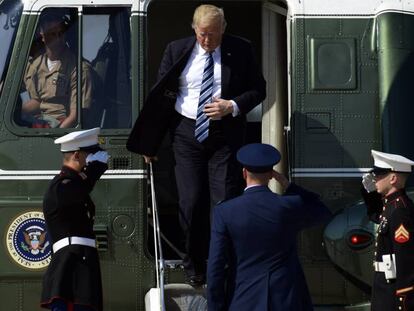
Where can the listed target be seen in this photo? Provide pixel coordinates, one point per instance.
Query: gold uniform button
(401, 299)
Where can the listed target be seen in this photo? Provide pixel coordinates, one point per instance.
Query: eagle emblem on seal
(34, 240)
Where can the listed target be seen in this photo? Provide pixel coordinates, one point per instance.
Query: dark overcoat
(241, 81)
(73, 274)
(256, 234)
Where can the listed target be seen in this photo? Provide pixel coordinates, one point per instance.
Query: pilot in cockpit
(50, 100)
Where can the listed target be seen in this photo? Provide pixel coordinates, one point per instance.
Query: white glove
(101, 156)
(368, 182)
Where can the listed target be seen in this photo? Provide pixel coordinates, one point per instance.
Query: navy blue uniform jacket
(74, 274)
(255, 234)
(241, 81)
(395, 216)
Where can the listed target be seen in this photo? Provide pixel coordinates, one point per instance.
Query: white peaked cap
(391, 161)
(80, 139)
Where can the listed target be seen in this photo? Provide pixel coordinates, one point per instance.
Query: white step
(178, 297)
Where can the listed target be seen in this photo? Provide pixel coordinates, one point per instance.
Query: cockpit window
(67, 84)
(49, 89)
(10, 12)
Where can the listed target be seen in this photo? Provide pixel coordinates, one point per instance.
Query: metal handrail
(159, 259)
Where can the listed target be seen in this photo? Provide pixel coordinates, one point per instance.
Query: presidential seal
(27, 241)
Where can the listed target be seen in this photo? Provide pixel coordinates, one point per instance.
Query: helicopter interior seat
(111, 65)
(91, 116)
(103, 78)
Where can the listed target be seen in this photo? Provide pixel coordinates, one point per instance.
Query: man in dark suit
(206, 86)
(254, 235)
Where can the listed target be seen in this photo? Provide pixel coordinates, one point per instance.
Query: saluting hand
(218, 108)
(281, 179)
(101, 156)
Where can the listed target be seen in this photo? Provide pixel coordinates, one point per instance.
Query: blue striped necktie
(206, 92)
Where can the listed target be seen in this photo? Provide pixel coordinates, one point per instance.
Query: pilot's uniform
(393, 285)
(73, 276)
(255, 235)
(55, 89)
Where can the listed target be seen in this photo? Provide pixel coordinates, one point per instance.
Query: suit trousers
(206, 173)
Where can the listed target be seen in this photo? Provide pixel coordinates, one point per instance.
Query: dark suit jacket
(242, 82)
(258, 231)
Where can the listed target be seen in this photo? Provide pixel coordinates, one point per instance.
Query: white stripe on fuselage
(329, 172)
(49, 174)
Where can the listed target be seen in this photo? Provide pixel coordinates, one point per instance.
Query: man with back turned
(253, 238)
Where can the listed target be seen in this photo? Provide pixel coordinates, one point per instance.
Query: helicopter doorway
(275, 111)
(168, 21)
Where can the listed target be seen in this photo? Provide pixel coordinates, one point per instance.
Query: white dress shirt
(191, 78)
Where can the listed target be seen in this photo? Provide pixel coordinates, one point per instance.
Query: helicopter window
(49, 90)
(107, 46)
(51, 96)
(10, 13)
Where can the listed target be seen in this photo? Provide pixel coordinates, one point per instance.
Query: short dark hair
(49, 16)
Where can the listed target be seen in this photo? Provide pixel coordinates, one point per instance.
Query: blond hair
(208, 12)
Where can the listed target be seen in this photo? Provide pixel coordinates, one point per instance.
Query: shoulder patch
(401, 235)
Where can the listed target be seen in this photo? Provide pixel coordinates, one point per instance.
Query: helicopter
(339, 83)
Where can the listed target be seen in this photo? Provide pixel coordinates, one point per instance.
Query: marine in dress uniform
(389, 206)
(255, 236)
(73, 278)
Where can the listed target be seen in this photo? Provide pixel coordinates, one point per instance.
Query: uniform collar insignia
(393, 196)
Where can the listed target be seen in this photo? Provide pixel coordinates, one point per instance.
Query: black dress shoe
(196, 280)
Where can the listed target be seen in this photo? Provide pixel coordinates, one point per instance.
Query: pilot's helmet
(388, 162)
(86, 140)
(258, 158)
